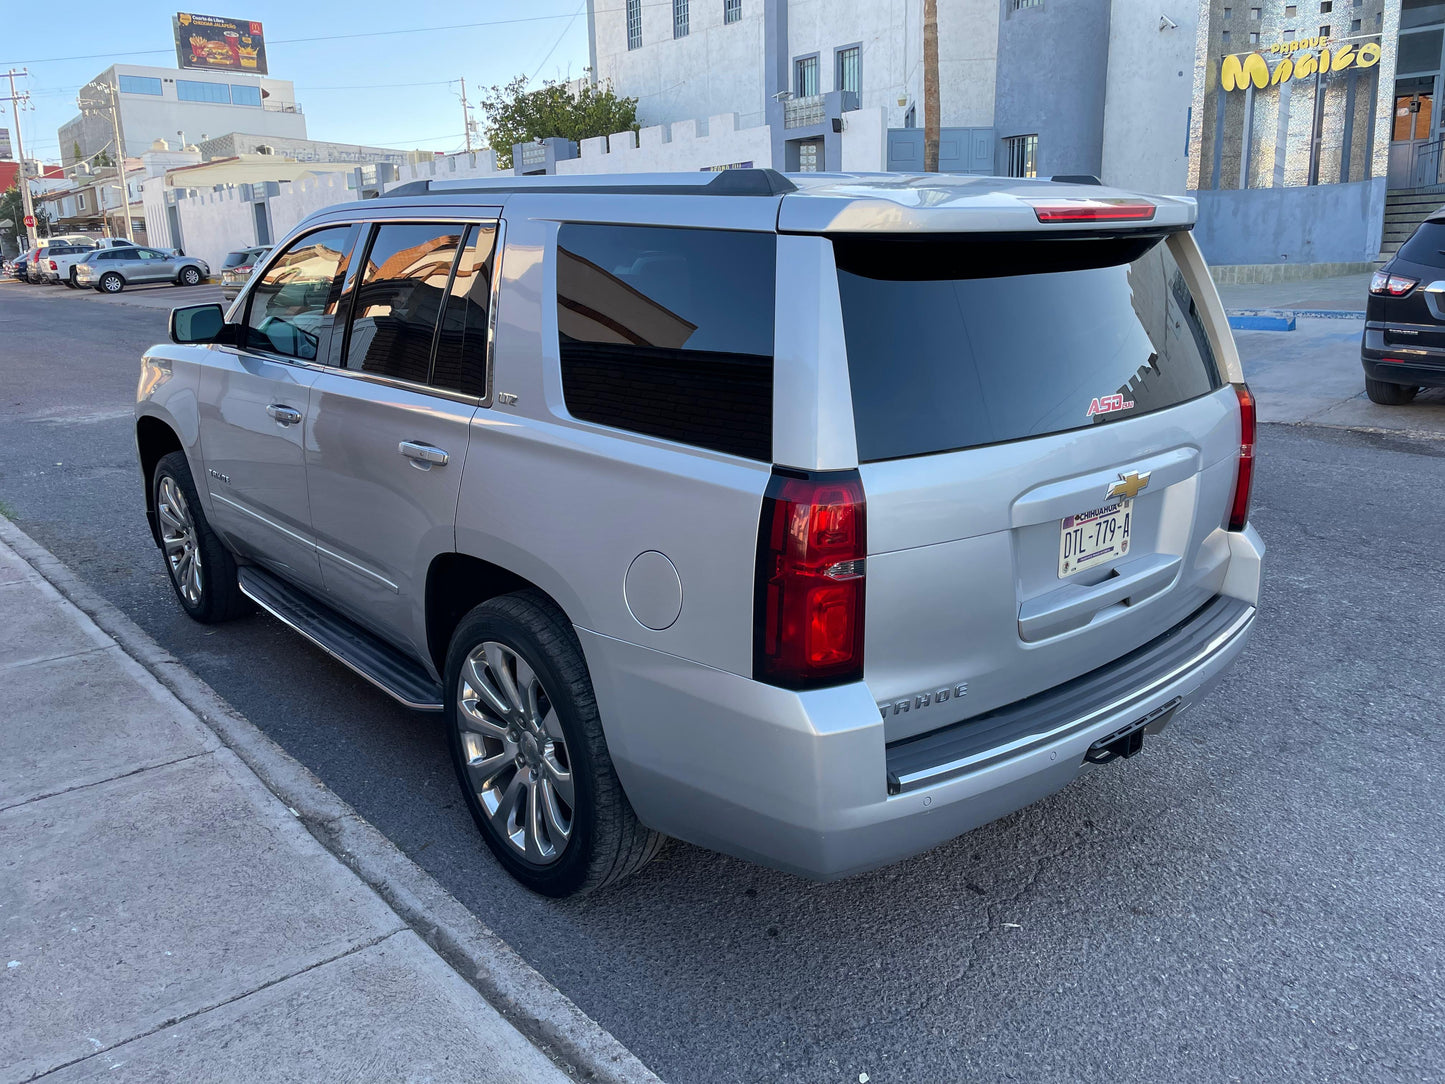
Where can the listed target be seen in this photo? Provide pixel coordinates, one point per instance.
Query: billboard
(215, 44)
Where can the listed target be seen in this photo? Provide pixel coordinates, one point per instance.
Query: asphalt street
(1257, 897)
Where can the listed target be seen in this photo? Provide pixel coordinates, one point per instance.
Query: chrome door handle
(284, 415)
(422, 453)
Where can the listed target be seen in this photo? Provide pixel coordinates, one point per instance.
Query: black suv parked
(1404, 345)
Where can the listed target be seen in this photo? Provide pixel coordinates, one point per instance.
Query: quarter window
(461, 357)
(402, 285)
(669, 332)
(296, 299)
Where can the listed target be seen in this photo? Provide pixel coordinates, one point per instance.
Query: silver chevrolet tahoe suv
(816, 519)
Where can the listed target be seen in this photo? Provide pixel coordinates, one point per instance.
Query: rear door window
(1426, 245)
(955, 343)
(669, 332)
(294, 303)
(402, 285)
(461, 355)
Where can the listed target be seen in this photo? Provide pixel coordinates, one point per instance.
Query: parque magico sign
(1238, 72)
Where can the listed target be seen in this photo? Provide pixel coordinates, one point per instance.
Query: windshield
(956, 343)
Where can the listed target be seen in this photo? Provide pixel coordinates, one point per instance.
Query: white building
(183, 107)
(1025, 86)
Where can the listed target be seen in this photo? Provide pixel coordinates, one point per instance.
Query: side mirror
(195, 324)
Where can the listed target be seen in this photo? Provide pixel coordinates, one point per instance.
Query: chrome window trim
(241, 307)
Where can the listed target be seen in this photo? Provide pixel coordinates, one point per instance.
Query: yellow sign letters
(1238, 72)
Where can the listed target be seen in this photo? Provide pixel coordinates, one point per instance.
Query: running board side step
(394, 673)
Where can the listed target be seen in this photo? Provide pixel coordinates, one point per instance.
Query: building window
(634, 24)
(1288, 35)
(679, 18)
(245, 94)
(910, 119)
(139, 84)
(1254, 37)
(1019, 5)
(1324, 31)
(1254, 13)
(1327, 6)
(849, 70)
(1228, 13)
(1023, 155)
(805, 77)
(1354, 26)
(1290, 10)
(732, 10)
(189, 90)
(1224, 36)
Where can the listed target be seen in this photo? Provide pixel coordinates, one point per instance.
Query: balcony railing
(802, 112)
(273, 106)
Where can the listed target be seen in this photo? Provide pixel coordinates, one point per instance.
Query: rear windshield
(236, 259)
(956, 343)
(1426, 245)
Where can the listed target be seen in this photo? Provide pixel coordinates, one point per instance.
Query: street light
(97, 99)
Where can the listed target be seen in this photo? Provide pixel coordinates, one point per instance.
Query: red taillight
(1382, 283)
(52, 264)
(1239, 511)
(1094, 210)
(812, 550)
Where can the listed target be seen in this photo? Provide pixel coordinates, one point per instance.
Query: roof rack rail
(1075, 178)
(726, 182)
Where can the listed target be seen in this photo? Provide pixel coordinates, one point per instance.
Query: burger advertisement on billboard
(215, 44)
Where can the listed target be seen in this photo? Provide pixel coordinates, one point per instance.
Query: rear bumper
(1417, 366)
(804, 782)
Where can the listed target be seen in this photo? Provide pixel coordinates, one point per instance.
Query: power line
(558, 42)
(346, 37)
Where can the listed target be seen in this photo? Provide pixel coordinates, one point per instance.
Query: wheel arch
(154, 439)
(458, 582)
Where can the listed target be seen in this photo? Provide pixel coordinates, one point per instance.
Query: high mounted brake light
(1244, 479)
(1094, 210)
(812, 561)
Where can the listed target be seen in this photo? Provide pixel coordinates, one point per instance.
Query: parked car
(55, 262)
(35, 266)
(814, 520)
(111, 270)
(237, 268)
(1403, 349)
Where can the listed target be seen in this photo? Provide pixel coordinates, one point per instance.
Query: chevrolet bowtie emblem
(1129, 485)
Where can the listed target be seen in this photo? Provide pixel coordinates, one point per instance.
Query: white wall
(1146, 104)
(661, 149)
(716, 68)
(865, 141)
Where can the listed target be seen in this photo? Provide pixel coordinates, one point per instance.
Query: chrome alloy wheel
(515, 752)
(178, 538)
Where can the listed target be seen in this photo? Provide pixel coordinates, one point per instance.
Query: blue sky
(389, 89)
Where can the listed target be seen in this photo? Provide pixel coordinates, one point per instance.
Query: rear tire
(1387, 394)
(549, 743)
(200, 568)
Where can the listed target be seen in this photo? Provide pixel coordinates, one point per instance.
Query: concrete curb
(536, 1008)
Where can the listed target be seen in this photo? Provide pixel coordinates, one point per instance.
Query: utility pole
(16, 101)
(466, 116)
(110, 103)
(931, 120)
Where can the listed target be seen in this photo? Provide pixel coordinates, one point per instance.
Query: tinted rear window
(669, 332)
(955, 344)
(236, 259)
(1426, 245)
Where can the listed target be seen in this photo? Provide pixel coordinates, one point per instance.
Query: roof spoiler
(726, 182)
(1075, 178)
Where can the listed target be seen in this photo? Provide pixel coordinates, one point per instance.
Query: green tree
(12, 210)
(75, 152)
(518, 115)
(101, 159)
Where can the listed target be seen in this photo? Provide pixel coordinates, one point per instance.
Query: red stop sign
(29, 222)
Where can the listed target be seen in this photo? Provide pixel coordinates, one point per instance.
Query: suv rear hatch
(1048, 450)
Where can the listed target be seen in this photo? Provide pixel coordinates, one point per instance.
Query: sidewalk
(1341, 293)
(165, 916)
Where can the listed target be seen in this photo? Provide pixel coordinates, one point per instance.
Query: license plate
(1094, 538)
